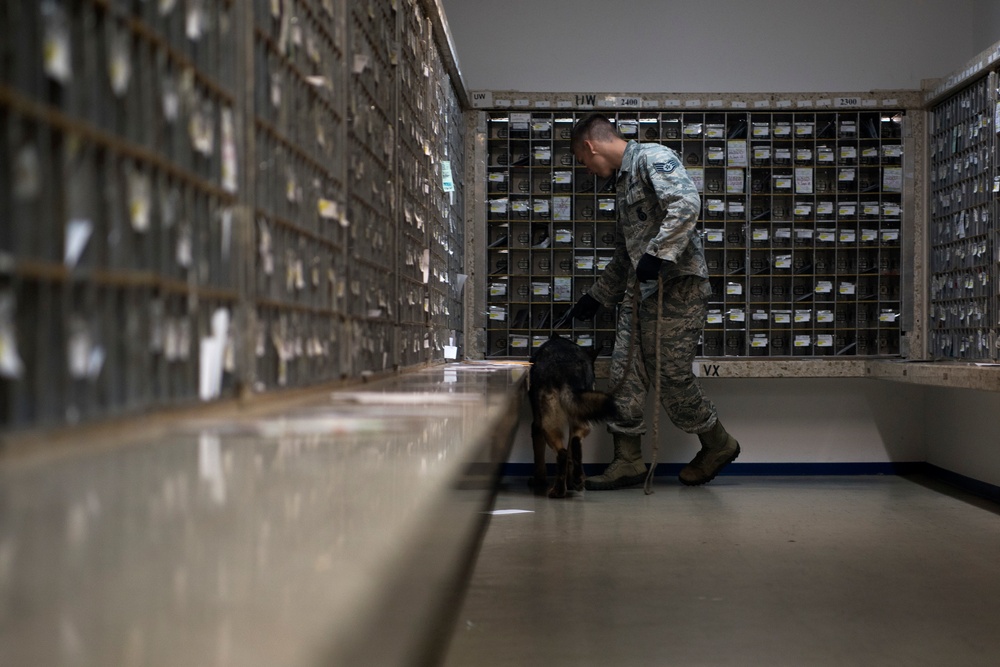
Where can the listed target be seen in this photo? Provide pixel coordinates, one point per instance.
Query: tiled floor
(876, 570)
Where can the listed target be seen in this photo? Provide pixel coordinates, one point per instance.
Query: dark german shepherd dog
(562, 396)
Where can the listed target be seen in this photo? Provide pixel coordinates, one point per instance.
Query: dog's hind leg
(578, 431)
(558, 489)
(539, 483)
(551, 434)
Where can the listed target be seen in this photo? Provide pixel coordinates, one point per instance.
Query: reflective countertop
(254, 541)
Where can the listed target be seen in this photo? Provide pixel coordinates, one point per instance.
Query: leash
(558, 324)
(647, 487)
(630, 357)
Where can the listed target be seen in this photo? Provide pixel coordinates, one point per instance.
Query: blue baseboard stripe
(968, 484)
(755, 469)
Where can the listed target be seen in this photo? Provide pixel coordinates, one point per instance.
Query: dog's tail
(588, 405)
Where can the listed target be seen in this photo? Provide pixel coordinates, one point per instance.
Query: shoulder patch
(665, 167)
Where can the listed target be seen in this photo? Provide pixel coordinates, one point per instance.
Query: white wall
(963, 432)
(782, 420)
(832, 421)
(987, 30)
(715, 45)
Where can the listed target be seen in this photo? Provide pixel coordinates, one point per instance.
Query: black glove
(648, 268)
(585, 308)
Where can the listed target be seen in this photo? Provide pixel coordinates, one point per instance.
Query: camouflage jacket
(658, 207)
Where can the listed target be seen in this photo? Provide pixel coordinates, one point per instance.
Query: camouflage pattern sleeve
(678, 196)
(609, 288)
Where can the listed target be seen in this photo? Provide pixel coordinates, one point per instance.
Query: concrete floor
(876, 570)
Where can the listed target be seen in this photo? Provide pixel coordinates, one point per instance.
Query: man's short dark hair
(593, 127)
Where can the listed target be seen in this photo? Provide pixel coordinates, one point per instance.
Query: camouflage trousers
(684, 306)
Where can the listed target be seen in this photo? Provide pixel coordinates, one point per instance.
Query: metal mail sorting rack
(964, 182)
(207, 199)
(801, 220)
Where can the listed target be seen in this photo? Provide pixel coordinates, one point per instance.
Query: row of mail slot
(523, 155)
(584, 208)
(651, 126)
(844, 315)
(735, 343)
(977, 343)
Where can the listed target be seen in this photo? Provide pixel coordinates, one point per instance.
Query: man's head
(596, 145)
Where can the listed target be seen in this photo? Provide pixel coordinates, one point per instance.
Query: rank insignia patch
(665, 167)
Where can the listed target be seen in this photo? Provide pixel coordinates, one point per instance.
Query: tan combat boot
(625, 469)
(718, 449)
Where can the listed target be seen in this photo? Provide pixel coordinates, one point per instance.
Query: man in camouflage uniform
(658, 208)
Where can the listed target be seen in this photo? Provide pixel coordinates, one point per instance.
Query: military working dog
(562, 397)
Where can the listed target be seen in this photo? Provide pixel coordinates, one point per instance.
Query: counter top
(332, 530)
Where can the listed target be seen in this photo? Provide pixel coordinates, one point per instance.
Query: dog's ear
(593, 352)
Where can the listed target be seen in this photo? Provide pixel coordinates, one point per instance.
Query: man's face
(593, 160)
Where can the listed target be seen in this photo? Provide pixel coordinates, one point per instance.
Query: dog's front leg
(576, 456)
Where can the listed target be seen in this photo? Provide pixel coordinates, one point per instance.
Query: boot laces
(614, 467)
